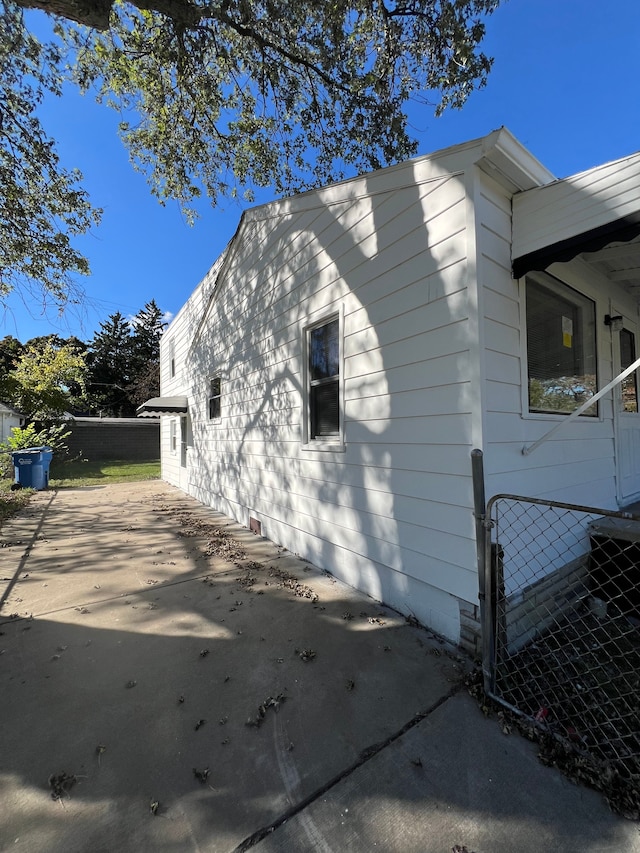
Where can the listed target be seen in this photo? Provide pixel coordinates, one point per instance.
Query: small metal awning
(589, 243)
(157, 406)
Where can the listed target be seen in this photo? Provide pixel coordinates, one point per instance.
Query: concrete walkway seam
(366, 755)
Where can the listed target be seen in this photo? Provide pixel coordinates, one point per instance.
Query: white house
(327, 380)
(9, 418)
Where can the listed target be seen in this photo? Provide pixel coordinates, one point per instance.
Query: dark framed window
(172, 358)
(215, 395)
(561, 346)
(323, 346)
(628, 386)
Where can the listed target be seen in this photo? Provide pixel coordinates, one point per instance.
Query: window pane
(214, 398)
(629, 385)
(561, 347)
(324, 351)
(325, 409)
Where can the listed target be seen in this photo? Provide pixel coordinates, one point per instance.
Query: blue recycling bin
(31, 467)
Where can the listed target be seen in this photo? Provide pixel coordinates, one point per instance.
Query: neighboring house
(326, 382)
(9, 418)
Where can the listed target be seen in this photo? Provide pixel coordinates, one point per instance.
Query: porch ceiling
(619, 262)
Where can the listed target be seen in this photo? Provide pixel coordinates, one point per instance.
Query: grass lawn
(75, 474)
(80, 473)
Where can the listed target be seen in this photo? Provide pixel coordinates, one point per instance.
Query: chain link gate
(561, 622)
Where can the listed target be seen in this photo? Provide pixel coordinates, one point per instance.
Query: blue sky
(564, 82)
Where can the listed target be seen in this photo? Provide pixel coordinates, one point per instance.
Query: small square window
(561, 346)
(215, 394)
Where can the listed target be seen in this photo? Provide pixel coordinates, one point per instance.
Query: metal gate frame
(564, 636)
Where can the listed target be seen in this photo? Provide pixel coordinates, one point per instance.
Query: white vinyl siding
(577, 463)
(8, 421)
(178, 339)
(416, 261)
(396, 504)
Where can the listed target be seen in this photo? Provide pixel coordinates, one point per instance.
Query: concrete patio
(145, 637)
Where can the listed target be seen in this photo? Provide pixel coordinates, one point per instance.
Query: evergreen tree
(10, 351)
(111, 368)
(148, 327)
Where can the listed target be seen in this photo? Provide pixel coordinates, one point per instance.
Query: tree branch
(249, 32)
(95, 15)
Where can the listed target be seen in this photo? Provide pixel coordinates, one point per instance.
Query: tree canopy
(148, 326)
(220, 97)
(41, 383)
(42, 205)
(110, 375)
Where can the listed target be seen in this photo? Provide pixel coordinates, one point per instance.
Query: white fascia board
(511, 164)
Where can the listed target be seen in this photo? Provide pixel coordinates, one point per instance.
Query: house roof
(595, 214)
(498, 153)
(5, 408)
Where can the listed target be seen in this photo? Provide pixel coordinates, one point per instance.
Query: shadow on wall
(393, 512)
